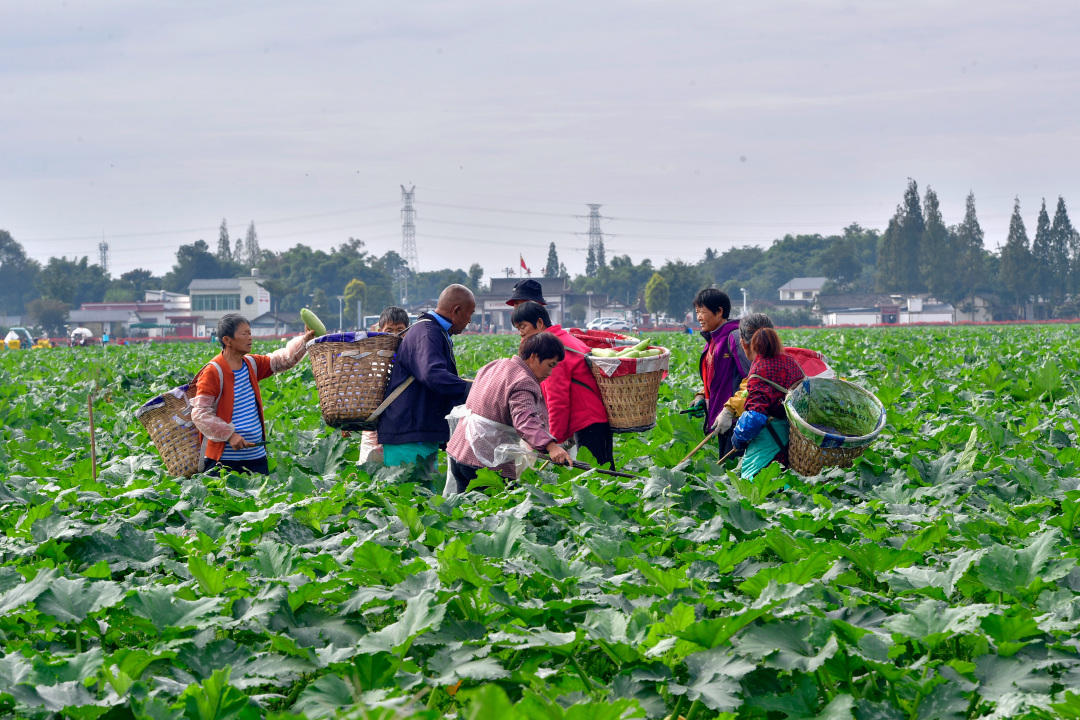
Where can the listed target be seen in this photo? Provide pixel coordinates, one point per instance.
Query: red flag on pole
(523, 265)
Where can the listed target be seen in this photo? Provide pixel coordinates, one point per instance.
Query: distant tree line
(917, 253)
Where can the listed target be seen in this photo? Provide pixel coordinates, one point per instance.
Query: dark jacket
(730, 366)
(419, 413)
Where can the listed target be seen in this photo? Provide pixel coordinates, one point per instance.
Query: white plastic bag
(492, 443)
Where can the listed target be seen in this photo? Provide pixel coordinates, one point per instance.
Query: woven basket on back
(808, 459)
(168, 420)
(832, 422)
(351, 378)
(630, 400)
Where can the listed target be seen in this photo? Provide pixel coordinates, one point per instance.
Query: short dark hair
(228, 325)
(394, 315)
(543, 345)
(717, 301)
(530, 312)
(750, 324)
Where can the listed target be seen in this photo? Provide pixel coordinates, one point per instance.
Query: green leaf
(1007, 570)
(486, 478)
(211, 578)
(215, 699)
(158, 605)
(28, 591)
(324, 698)
(500, 544)
(945, 702)
(967, 458)
(789, 645)
(421, 614)
(933, 621)
(714, 676)
(717, 631)
(131, 549)
(1002, 676)
(73, 600)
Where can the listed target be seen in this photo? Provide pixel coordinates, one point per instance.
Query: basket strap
(778, 386)
(221, 388)
(772, 431)
(390, 398)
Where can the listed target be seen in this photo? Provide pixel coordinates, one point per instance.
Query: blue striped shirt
(245, 418)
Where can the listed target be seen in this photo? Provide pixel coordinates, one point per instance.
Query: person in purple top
(723, 363)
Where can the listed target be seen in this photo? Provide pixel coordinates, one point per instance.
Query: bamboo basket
(630, 399)
(351, 378)
(855, 415)
(167, 418)
(808, 459)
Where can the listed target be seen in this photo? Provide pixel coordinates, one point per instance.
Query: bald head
(456, 304)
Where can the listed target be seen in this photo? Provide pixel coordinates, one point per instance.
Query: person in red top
(570, 391)
(216, 394)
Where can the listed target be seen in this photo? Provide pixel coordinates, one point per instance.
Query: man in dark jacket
(414, 425)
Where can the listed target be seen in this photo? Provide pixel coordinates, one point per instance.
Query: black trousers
(600, 441)
(258, 466)
(463, 474)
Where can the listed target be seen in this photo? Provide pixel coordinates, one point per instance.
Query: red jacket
(570, 391)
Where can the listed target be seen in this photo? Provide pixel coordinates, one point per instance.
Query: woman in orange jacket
(227, 408)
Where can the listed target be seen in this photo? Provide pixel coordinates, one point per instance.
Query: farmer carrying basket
(227, 407)
(796, 412)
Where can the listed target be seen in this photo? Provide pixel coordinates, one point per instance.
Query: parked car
(616, 325)
(599, 323)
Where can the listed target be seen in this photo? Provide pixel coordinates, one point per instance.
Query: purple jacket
(419, 413)
(730, 366)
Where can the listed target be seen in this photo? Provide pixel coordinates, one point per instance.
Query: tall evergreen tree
(238, 252)
(1016, 266)
(899, 249)
(888, 257)
(912, 227)
(1062, 245)
(971, 263)
(937, 259)
(590, 263)
(251, 246)
(1041, 258)
(600, 261)
(552, 268)
(224, 251)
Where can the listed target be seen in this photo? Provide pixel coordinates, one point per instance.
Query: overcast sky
(695, 124)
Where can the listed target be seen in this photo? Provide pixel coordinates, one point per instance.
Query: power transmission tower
(103, 250)
(596, 235)
(408, 230)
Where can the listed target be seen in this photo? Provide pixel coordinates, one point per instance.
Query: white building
(883, 310)
(161, 313)
(213, 298)
(802, 288)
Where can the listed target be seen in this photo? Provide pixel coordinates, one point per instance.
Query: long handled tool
(93, 441)
(705, 441)
(586, 466)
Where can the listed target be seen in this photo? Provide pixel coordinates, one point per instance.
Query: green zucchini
(312, 321)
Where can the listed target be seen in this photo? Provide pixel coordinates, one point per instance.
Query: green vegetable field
(937, 579)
